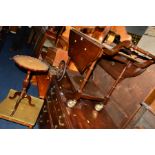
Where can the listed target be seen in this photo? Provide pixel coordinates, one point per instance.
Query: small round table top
(30, 63)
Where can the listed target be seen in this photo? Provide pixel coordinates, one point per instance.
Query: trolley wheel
(61, 70)
(71, 103)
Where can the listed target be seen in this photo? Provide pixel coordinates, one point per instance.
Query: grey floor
(139, 30)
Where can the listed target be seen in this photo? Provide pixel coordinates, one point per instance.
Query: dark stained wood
(45, 120)
(114, 68)
(82, 116)
(59, 41)
(22, 94)
(123, 105)
(43, 82)
(50, 55)
(83, 50)
(53, 56)
(21, 61)
(76, 80)
(125, 100)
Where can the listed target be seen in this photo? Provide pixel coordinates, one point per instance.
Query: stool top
(30, 63)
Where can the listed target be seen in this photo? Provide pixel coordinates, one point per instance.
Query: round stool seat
(30, 63)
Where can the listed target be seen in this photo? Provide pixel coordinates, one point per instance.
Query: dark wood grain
(82, 116)
(126, 99)
(43, 82)
(83, 50)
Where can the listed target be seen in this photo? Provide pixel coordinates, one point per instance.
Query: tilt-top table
(24, 109)
(31, 64)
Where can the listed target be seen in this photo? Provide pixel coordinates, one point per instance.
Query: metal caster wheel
(99, 107)
(71, 103)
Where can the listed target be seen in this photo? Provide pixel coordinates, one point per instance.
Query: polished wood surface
(56, 114)
(128, 95)
(123, 100)
(121, 30)
(59, 41)
(83, 50)
(124, 107)
(114, 68)
(52, 57)
(43, 82)
(106, 34)
(30, 64)
(22, 94)
(87, 93)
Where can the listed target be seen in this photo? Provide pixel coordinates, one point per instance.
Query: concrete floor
(147, 41)
(139, 30)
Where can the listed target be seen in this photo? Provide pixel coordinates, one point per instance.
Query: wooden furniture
(124, 66)
(84, 52)
(55, 38)
(50, 54)
(35, 36)
(43, 82)
(144, 117)
(128, 95)
(107, 34)
(120, 112)
(125, 100)
(52, 57)
(55, 113)
(24, 109)
(31, 65)
(25, 115)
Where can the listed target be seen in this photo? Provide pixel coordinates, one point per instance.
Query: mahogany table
(31, 64)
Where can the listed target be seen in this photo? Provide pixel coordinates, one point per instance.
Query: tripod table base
(25, 114)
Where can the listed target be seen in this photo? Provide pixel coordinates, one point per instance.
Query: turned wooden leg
(107, 97)
(29, 100)
(22, 94)
(16, 105)
(15, 95)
